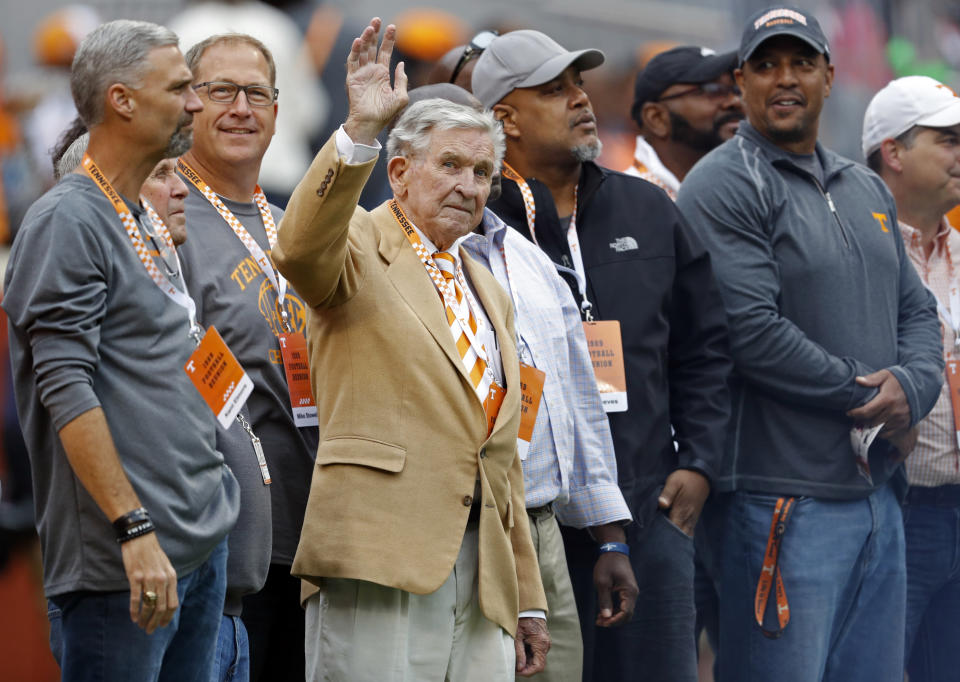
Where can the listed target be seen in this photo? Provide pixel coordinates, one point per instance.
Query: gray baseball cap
(522, 59)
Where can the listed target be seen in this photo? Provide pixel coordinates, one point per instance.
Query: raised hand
(373, 101)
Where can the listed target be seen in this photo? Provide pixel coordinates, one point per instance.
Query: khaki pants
(565, 659)
(358, 631)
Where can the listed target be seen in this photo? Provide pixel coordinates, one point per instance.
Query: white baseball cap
(907, 102)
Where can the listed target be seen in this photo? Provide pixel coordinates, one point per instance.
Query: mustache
(728, 117)
(586, 117)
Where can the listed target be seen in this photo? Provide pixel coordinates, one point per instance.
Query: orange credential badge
(492, 405)
(606, 354)
(293, 347)
(218, 376)
(531, 390)
(953, 380)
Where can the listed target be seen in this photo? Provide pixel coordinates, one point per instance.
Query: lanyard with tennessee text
(178, 296)
(446, 289)
(261, 258)
(488, 391)
(573, 240)
(771, 569)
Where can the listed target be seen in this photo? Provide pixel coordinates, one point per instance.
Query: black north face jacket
(645, 268)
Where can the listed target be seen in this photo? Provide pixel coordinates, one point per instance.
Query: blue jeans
(659, 644)
(93, 639)
(933, 592)
(233, 652)
(844, 575)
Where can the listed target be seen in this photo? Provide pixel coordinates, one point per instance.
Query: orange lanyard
(573, 239)
(445, 289)
(771, 557)
(180, 297)
(278, 281)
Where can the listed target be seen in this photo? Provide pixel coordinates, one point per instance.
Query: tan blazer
(403, 437)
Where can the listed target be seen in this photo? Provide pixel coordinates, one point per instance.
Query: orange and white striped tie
(476, 366)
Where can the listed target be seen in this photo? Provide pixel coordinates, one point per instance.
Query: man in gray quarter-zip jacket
(830, 328)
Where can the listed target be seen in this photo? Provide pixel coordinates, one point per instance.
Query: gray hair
(115, 52)
(411, 135)
(72, 157)
(195, 53)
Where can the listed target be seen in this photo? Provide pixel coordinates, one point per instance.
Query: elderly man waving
(414, 530)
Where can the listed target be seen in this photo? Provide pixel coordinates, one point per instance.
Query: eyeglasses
(711, 90)
(478, 44)
(226, 92)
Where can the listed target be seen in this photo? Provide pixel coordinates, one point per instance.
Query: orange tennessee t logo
(882, 219)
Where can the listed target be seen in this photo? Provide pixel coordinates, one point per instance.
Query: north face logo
(624, 244)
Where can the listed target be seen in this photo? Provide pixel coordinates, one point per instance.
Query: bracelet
(133, 524)
(621, 547)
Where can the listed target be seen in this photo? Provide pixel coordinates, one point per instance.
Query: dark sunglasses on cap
(478, 44)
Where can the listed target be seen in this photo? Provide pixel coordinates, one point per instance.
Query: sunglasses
(478, 44)
(711, 90)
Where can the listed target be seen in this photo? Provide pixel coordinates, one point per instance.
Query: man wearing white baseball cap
(911, 138)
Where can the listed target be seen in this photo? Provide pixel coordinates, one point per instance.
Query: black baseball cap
(775, 21)
(686, 64)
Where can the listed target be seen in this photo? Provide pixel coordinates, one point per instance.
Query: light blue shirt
(571, 461)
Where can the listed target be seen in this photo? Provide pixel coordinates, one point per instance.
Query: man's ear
(738, 78)
(507, 115)
(119, 99)
(397, 171)
(656, 120)
(891, 151)
(829, 79)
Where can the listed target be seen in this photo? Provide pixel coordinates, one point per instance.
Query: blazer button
(467, 500)
(483, 453)
(320, 191)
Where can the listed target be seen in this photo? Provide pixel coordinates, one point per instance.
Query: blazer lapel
(412, 282)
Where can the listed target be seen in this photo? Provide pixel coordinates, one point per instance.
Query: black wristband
(133, 524)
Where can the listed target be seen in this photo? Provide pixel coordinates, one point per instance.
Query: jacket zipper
(833, 210)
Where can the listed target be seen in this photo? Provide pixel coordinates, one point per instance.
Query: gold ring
(150, 597)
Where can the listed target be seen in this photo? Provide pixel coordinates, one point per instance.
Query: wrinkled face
(555, 119)
(784, 84)
(233, 134)
(166, 192)
(703, 117)
(166, 104)
(931, 166)
(444, 189)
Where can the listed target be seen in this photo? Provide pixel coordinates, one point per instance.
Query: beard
(588, 151)
(683, 133)
(181, 140)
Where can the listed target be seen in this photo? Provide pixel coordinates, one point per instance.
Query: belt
(539, 512)
(944, 496)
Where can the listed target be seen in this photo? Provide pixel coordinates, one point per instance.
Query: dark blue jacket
(645, 268)
(818, 290)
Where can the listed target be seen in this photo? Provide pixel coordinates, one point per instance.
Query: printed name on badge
(218, 376)
(296, 366)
